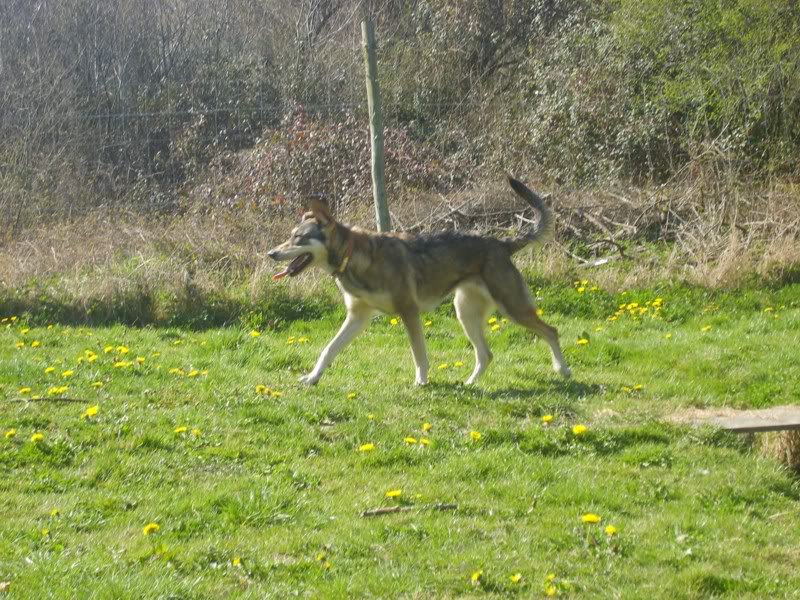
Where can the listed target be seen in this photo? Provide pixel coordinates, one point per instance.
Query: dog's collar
(347, 253)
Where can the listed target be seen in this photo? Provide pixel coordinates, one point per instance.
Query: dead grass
(783, 446)
(676, 233)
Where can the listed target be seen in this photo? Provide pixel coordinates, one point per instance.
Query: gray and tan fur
(403, 274)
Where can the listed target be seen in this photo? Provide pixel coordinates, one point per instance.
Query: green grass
(276, 484)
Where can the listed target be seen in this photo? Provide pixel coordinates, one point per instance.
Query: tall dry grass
(211, 267)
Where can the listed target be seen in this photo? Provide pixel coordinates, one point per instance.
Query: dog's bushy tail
(544, 229)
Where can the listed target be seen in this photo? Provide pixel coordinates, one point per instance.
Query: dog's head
(308, 243)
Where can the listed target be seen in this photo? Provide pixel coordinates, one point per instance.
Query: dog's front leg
(414, 328)
(358, 318)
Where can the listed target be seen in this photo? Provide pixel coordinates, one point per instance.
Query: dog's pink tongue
(280, 275)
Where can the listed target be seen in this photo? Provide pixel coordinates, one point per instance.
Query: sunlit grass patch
(256, 484)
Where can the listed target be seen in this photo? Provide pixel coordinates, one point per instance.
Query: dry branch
(387, 510)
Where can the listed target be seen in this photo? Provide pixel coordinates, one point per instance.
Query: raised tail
(544, 227)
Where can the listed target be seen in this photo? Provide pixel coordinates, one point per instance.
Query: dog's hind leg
(509, 290)
(473, 304)
(358, 317)
(414, 328)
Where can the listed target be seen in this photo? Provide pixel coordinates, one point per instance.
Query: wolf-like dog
(404, 274)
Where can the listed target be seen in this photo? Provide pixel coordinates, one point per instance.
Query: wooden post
(375, 126)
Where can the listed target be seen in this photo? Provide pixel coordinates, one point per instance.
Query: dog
(405, 274)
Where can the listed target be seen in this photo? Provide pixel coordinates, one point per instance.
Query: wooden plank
(750, 425)
(779, 418)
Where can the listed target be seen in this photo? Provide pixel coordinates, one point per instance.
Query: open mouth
(295, 267)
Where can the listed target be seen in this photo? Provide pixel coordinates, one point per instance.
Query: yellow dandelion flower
(302, 340)
(495, 327)
(55, 512)
(275, 393)
(610, 530)
(581, 289)
(35, 344)
(516, 577)
(255, 333)
(196, 432)
(194, 373)
(366, 447)
(25, 390)
(591, 518)
(547, 419)
(539, 312)
(352, 396)
(24, 330)
(768, 309)
(10, 433)
(155, 354)
(20, 345)
(236, 561)
(582, 342)
(443, 366)
(140, 360)
(393, 493)
(668, 336)
(175, 371)
(37, 437)
(638, 387)
(151, 528)
(123, 349)
(427, 427)
(424, 442)
(181, 429)
(121, 364)
(177, 342)
(91, 411)
(706, 328)
(393, 321)
(475, 435)
(492, 321)
(580, 429)
(410, 440)
(97, 384)
(550, 590)
(428, 323)
(475, 578)
(262, 389)
(108, 349)
(458, 364)
(371, 417)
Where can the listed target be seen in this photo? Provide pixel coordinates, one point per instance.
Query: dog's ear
(322, 213)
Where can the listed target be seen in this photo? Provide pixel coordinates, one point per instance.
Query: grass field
(183, 463)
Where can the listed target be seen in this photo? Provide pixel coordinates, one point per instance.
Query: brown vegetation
(154, 149)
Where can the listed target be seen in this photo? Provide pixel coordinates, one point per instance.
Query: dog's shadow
(567, 388)
(570, 388)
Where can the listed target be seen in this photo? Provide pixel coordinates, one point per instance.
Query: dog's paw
(309, 379)
(421, 382)
(563, 370)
